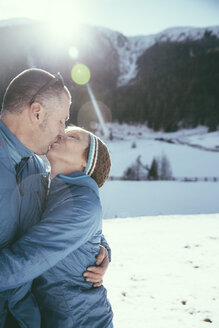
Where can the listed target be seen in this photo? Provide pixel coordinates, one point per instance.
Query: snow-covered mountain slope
(127, 50)
(130, 49)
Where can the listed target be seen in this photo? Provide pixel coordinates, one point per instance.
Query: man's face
(53, 126)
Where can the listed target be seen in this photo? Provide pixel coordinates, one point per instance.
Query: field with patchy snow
(164, 271)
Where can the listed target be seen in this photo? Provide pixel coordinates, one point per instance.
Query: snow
(159, 263)
(130, 49)
(164, 235)
(139, 198)
(185, 160)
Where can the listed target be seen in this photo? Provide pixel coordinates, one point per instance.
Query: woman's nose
(60, 138)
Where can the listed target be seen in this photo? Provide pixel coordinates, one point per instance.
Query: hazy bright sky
(130, 17)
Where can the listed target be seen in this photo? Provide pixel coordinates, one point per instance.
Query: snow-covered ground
(139, 198)
(164, 271)
(186, 161)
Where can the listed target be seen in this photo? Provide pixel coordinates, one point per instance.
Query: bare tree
(165, 172)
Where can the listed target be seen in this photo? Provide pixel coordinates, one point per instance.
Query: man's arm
(105, 244)
(95, 273)
(48, 242)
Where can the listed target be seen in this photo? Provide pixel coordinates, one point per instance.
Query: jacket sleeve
(59, 233)
(9, 205)
(8, 216)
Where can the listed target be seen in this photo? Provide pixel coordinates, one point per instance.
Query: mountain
(130, 49)
(168, 80)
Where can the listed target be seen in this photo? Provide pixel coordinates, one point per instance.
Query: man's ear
(35, 112)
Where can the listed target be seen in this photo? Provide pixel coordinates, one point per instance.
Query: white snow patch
(159, 263)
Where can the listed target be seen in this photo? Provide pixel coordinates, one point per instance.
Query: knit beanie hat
(99, 163)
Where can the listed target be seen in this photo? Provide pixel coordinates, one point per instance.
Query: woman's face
(70, 149)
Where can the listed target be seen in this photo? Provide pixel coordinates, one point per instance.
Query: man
(35, 108)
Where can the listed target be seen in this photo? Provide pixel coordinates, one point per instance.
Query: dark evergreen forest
(177, 86)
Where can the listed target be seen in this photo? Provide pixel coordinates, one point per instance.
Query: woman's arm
(62, 231)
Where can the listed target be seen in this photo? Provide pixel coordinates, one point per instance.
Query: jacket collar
(16, 149)
(79, 178)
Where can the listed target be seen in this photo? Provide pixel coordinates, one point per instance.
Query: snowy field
(164, 271)
(139, 198)
(165, 268)
(185, 160)
(192, 153)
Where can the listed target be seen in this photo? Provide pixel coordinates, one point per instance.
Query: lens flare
(80, 74)
(98, 111)
(89, 119)
(73, 52)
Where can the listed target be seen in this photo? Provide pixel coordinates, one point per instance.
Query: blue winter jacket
(70, 228)
(23, 189)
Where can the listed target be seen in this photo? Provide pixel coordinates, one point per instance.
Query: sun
(65, 19)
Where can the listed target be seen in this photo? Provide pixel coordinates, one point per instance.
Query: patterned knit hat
(99, 163)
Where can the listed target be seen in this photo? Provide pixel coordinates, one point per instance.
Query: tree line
(177, 85)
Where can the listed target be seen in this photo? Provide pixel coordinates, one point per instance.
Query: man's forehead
(63, 113)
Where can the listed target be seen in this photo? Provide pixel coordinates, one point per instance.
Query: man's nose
(62, 130)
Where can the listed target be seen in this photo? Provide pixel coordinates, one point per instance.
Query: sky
(130, 17)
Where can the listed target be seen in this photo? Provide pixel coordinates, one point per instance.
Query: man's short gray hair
(24, 86)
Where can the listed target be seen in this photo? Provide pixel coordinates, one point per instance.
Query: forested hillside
(175, 82)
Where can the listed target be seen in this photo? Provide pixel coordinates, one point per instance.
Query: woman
(80, 163)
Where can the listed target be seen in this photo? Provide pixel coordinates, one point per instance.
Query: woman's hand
(95, 273)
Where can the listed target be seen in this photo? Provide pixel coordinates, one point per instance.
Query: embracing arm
(95, 273)
(105, 244)
(62, 231)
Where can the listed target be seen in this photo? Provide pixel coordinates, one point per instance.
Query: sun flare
(65, 22)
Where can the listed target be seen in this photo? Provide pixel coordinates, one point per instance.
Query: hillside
(169, 79)
(193, 157)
